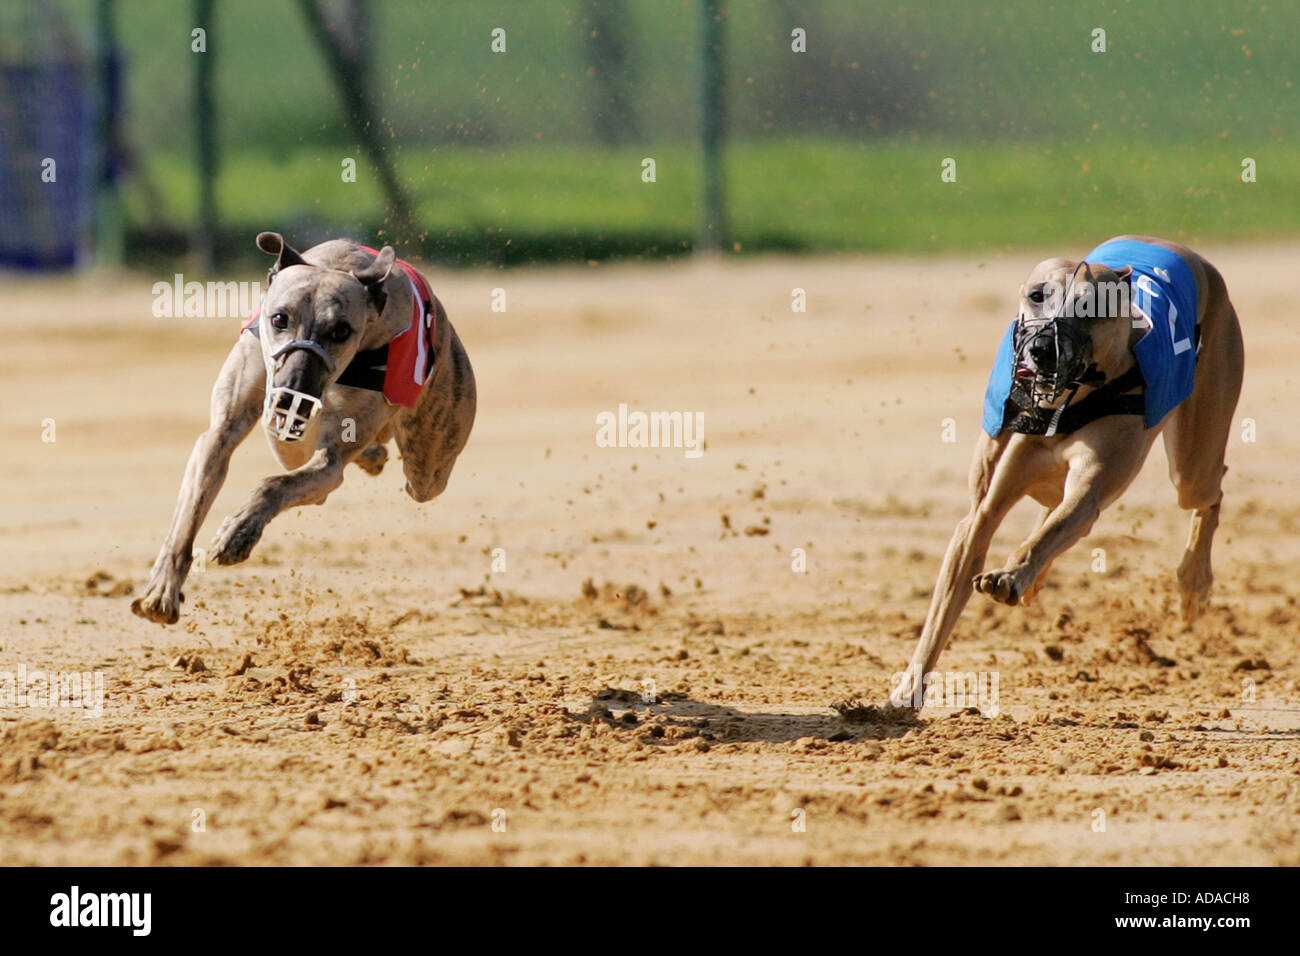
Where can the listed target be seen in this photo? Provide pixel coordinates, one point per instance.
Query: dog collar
(1112, 398)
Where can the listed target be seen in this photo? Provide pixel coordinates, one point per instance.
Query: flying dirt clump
(854, 710)
(103, 584)
(337, 639)
(619, 607)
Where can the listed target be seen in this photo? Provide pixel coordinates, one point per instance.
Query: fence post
(205, 140)
(713, 222)
(109, 218)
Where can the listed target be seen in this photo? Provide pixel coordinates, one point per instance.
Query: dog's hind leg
(373, 458)
(432, 435)
(1196, 438)
(236, 405)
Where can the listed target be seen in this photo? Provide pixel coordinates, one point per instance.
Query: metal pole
(205, 140)
(109, 224)
(713, 223)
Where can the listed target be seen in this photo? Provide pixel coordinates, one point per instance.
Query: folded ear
(1124, 273)
(379, 268)
(373, 276)
(273, 244)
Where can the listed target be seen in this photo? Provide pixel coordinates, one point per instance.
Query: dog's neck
(1080, 404)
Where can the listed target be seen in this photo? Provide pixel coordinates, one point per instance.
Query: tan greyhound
(1105, 354)
(348, 349)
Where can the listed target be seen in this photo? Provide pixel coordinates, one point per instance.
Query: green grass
(834, 149)
(1015, 69)
(815, 195)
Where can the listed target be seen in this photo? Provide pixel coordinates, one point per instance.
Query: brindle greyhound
(1075, 461)
(320, 369)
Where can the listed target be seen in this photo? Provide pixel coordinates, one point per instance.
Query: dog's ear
(1098, 273)
(373, 276)
(273, 244)
(1122, 274)
(379, 267)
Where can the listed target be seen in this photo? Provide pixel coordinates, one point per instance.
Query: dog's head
(312, 324)
(1072, 317)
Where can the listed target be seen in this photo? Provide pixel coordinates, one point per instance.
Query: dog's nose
(301, 371)
(1042, 349)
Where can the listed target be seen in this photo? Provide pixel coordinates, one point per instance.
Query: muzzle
(289, 413)
(1051, 356)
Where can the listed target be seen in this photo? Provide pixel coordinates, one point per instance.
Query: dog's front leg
(236, 405)
(311, 483)
(1102, 463)
(1003, 468)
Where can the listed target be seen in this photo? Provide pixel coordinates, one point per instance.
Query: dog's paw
(1001, 586)
(373, 459)
(1194, 604)
(903, 705)
(1194, 582)
(159, 605)
(235, 539)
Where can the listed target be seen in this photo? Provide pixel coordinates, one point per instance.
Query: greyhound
(1105, 354)
(347, 350)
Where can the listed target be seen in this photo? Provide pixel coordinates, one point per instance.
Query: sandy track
(399, 698)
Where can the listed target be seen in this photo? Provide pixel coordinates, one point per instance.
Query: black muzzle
(1052, 355)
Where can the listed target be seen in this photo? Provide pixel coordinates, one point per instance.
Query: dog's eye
(340, 332)
(1036, 296)
(279, 321)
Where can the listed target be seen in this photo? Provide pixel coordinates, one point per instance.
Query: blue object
(1164, 292)
(47, 115)
(999, 388)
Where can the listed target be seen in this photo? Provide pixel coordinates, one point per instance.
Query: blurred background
(466, 155)
(836, 340)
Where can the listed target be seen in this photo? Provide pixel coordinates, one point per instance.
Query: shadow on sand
(719, 723)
